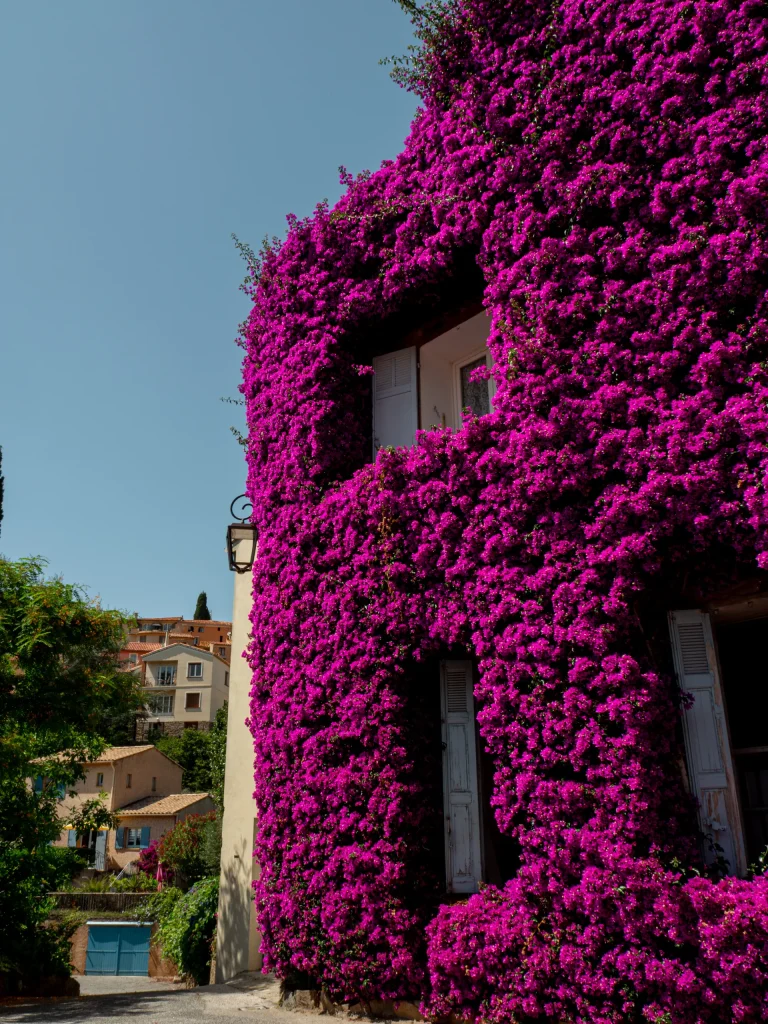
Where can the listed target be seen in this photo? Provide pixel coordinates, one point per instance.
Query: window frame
(456, 368)
(166, 698)
(194, 675)
(132, 833)
(193, 693)
(164, 670)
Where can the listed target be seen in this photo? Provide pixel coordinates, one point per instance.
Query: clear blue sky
(136, 137)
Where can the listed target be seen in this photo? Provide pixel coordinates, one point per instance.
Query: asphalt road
(219, 1003)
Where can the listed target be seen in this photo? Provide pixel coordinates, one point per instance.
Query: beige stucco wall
(89, 789)
(212, 686)
(237, 937)
(158, 826)
(142, 768)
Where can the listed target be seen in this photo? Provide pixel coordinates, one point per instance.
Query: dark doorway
(743, 650)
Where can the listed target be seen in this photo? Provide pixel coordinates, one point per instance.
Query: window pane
(474, 393)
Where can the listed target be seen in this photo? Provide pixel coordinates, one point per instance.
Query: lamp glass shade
(241, 546)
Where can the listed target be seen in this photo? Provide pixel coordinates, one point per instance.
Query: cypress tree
(201, 608)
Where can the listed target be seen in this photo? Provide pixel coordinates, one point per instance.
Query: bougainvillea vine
(601, 169)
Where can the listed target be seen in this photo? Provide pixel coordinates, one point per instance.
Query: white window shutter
(461, 803)
(707, 747)
(395, 398)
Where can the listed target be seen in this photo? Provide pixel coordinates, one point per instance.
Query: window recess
(741, 650)
(707, 745)
(461, 796)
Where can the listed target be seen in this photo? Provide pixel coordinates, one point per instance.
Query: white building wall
(237, 939)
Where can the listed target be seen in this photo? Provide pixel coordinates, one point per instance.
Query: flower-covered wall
(596, 174)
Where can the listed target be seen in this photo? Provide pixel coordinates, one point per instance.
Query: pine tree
(201, 608)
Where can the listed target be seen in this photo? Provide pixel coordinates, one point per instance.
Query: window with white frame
(162, 703)
(195, 670)
(472, 386)
(133, 837)
(454, 375)
(192, 702)
(165, 675)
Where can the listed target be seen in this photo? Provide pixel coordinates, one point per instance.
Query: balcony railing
(164, 680)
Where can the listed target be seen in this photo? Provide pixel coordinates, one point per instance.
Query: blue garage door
(117, 949)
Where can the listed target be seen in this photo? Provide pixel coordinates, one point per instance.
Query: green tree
(59, 684)
(201, 608)
(217, 756)
(192, 751)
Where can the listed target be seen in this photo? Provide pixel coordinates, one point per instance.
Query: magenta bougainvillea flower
(595, 172)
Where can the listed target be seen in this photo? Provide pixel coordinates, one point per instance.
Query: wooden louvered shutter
(708, 750)
(395, 408)
(461, 803)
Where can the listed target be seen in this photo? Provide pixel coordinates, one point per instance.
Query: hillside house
(143, 787)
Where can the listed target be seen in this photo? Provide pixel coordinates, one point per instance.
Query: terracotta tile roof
(143, 648)
(110, 754)
(206, 622)
(158, 618)
(161, 804)
(118, 753)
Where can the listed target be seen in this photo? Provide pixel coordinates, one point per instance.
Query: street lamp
(241, 537)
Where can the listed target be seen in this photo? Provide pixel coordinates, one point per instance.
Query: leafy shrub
(187, 922)
(140, 882)
(148, 858)
(186, 850)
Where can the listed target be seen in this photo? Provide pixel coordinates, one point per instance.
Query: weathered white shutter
(461, 804)
(395, 409)
(707, 746)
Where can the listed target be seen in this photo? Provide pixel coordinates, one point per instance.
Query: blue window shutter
(145, 837)
(119, 838)
(39, 784)
(71, 838)
(61, 790)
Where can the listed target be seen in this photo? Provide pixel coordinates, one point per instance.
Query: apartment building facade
(185, 687)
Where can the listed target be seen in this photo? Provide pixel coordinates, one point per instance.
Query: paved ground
(110, 985)
(246, 1003)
